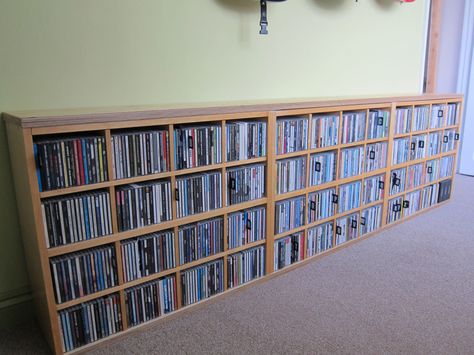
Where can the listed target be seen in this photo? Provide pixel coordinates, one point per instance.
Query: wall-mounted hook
(263, 16)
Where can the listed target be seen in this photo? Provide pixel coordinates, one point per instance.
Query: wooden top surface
(51, 118)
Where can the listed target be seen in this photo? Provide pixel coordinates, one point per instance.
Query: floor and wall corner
(405, 290)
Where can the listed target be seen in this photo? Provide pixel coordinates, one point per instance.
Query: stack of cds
(451, 117)
(420, 121)
(200, 240)
(289, 214)
(150, 300)
(416, 176)
(437, 113)
(434, 144)
(66, 162)
(246, 227)
(403, 121)
(397, 180)
(322, 168)
(351, 162)
(400, 150)
(291, 135)
(429, 196)
(90, 321)
(449, 140)
(349, 196)
(291, 174)
(378, 124)
(147, 255)
(246, 140)
(376, 156)
(320, 238)
(374, 188)
(370, 219)
(202, 281)
(144, 204)
(324, 130)
(321, 204)
(446, 166)
(353, 127)
(245, 266)
(140, 153)
(197, 146)
(245, 183)
(432, 170)
(347, 228)
(418, 147)
(75, 218)
(412, 203)
(198, 193)
(288, 250)
(394, 212)
(80, 274)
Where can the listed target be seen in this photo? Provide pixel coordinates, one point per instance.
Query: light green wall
(75, 53)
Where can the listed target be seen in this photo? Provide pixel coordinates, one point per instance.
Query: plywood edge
(52, 118)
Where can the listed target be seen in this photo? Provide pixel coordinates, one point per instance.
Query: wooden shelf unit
(23, 128)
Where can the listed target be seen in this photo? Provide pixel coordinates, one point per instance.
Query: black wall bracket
(263, 16)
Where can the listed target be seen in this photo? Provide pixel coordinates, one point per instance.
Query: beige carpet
(408, 290)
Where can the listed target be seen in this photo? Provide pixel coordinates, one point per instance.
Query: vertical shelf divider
(271, 176)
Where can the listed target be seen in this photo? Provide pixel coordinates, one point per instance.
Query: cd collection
(446, 166)
(451, 115)
(140, 153)
(289, 250)
(353, 127)
(324, 130)
(376, 156)
(322, 168)
(379, 121)
(143, 204)
(291, 174)
(370, 219)
(449, 139)
(197, 146)
(434, 145)
(400, 148)
(202, 281)
(289, 214)
(432, 170)
(398, 178)
(320, 238)
(150, 300)
(374, 188)
(429, 196)
(245, 183)
(321, 204)
(403, 120)
(198, 193)
(417, 147)
(349, 196)
(291, 135)
(246, 227)
(75, 218)
(394, 212)
(245, 266)
(421, 117)
(347, 228)
(79, 274)
(246, 140)
(416, 176)
(437, 114)
(147, 255)
(351, 162)
(66, 162)
(411, 204)
(200, 240)
(90, 321)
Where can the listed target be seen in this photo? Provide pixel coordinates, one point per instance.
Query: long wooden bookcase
(24, 128)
